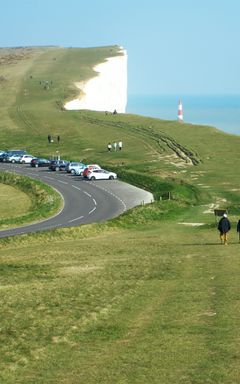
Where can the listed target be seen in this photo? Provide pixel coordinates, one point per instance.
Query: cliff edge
(108, 90)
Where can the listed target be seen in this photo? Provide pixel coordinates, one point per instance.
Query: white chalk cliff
(107, 91)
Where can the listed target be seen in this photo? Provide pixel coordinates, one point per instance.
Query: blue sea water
(220, 111)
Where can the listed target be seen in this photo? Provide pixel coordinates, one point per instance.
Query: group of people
(115, 146)
(224, 227)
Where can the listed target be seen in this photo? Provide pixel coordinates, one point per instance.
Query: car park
(101, 174)
(26, 159)
(89, 168)
(40, 162)
(58, 165)
(74, 167)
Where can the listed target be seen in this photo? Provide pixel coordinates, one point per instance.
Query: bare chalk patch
(192, 224)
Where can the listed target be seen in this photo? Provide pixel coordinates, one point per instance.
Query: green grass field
(24, 200)
(149, 297)
(14, 203)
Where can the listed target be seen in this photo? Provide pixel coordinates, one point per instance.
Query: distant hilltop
(107, 91)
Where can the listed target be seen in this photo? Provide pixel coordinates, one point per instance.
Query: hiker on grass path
(224, 227)
(120, 145)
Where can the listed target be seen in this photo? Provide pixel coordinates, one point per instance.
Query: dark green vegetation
(149, 297)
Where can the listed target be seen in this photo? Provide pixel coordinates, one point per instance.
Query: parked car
(101, 174)
(79, 170)
(40, 162)
(26, 159)
(74, 167)
(58, 165)
(89, 168)
(5, 156)
(13, 158)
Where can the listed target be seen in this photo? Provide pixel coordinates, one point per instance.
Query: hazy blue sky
(174, 47)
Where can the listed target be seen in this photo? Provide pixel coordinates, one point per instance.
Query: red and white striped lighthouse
(180, 111)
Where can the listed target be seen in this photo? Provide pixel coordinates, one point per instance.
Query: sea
(219, 111)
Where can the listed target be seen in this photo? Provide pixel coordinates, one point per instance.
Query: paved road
(84, 201)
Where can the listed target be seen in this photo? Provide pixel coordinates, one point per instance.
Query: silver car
(75, 168)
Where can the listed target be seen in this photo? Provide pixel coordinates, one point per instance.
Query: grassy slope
(141, 299)
(14, 203)
(28, 200)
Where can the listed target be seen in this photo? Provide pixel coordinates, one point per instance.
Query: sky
(173, 47)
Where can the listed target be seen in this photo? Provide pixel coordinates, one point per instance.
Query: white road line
(92, 211)
(74, 186)
(63, 182)
(94, 201)
(49, 178)
(77, 218)
(86, 193)
(113, 194)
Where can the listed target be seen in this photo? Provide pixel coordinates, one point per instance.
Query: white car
(101, 174)
(26, 159)
(89, 168)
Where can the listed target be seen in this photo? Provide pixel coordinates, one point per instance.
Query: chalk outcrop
(107, 91)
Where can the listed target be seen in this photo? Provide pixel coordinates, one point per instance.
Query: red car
(90, 168)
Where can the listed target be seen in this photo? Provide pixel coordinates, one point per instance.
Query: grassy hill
(149, 297)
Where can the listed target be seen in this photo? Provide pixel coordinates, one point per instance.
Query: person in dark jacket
(238, 230)
(224, 227)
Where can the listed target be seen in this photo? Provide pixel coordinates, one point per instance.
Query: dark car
(40, 162)
(5, 157)
(58, 165)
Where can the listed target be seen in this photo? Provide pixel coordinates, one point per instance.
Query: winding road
(84, 201)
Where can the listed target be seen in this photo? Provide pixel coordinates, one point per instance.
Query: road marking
(94, 201)
(63, 182)
(49, 178)
(113, 194)
(74, 186)
(92, 211)
(86, 193)
(77, 218)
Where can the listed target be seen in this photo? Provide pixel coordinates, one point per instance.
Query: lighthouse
(180, 111)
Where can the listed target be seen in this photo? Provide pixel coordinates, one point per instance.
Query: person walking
(109, 147)
(224, 227)
(58, 138)
(238, 230)
(115, 146)
(120, 145)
